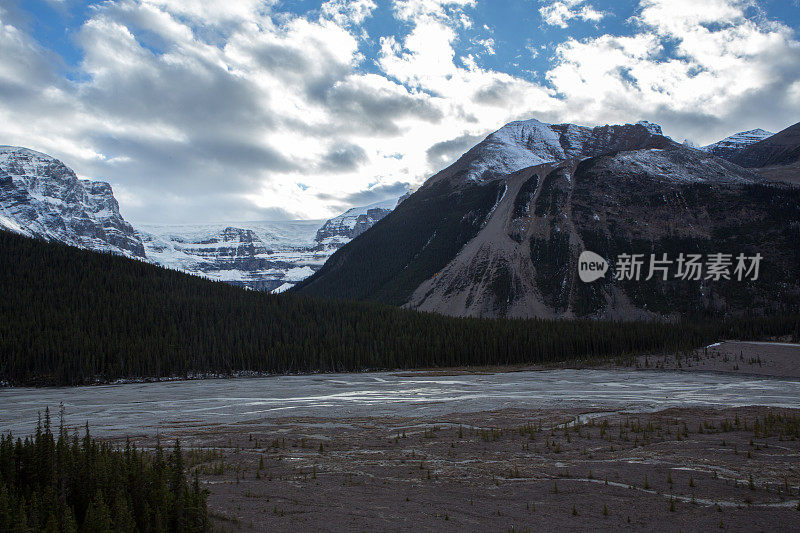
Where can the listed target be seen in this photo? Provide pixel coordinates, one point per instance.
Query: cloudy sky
(230, 110)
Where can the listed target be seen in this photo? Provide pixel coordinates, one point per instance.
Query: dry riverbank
(677, 469)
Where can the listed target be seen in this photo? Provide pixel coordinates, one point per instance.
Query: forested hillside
(71, 316)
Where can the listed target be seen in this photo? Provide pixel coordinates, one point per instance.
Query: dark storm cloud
(216, 206)
(496, 94)
(198, 166)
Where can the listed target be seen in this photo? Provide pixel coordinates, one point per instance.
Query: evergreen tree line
(67, 484)
(71, 316)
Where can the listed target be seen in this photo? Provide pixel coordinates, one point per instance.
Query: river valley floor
(674, 469)
(708, 441)
(679, 469)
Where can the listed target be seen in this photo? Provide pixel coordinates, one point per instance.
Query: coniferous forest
(71, 484)
(71, 316)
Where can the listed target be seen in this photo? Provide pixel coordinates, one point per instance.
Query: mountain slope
(783, 148)
(647, 201)
(777, 158)
(621, 189)
(42, 197)
(407, 246)
(427, 230)
(729, 147)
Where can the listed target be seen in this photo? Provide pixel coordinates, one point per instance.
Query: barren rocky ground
(738, 357)
(679, 469)
(673, 470)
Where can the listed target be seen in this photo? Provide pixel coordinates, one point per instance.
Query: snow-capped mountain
(499, 232)
(272, 256)
(258, 255)
(527, 143)
(730, 146)
(781, 149)
(42, 197)
(342, 229)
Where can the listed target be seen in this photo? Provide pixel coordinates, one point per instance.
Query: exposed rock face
(261, 256)
(474, 241)
(342, 229)
(729, 147)
(653, 128)
(42, 197)
(271, 256)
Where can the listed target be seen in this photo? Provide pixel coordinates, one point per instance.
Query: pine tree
(98, 516)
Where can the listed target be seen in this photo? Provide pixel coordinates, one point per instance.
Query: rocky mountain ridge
(732, 145)
(342, 229)
(503, 227)
(41, 197)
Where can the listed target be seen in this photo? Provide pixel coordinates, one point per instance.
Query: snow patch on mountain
(730, 146)
(283, 288)
(528, 143)
(340, 230)
(10, 224)
(676, 166)
(652, 127)
(41, 197)
(260, 255)
(518, 145)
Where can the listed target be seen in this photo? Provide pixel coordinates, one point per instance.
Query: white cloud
(721, 63)
(488, 45)
(559, 13)
(214, 12)
(347, 12)
(218, 110)
(439, 9)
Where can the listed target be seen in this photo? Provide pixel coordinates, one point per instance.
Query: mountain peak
(652, 127)
(40, 196)
(528, 143)
(783, 148)
(730, 146)
(7, 149)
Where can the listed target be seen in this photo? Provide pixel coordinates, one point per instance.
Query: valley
(433, 363)
(474, 448)
(399, 265)
(676, 469)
